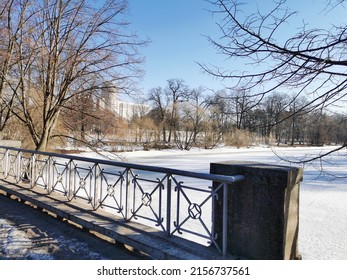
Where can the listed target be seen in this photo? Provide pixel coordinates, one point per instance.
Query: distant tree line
(193, 117)
(185, 117)
(182, 117)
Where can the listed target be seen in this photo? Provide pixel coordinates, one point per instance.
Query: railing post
(50, 175)
(168, 205)
(71, 180)
(128, 196)
(225, 220)
(95, 199)
(32, 176)
(6, 163)
(18, 167)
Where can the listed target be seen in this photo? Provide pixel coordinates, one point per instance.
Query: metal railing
(175, 201)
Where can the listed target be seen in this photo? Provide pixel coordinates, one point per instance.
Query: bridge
(165, 213)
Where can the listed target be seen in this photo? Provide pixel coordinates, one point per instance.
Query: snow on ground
(14, 242)
(19, 243)
(28, 234)
(323, 197)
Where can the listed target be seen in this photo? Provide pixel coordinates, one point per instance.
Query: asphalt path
(27, 233)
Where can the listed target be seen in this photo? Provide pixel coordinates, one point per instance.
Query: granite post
(263, 210)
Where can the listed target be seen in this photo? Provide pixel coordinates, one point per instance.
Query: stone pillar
(263, 210)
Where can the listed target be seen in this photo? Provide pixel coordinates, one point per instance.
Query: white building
(110, 100)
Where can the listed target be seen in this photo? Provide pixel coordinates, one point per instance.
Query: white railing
(178, 202)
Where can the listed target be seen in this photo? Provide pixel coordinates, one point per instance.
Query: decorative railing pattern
(175, 201)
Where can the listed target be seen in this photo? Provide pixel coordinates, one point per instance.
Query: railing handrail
(172, 171)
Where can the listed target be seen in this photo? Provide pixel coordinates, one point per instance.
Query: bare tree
(200, 104)
(68, 48)
(79, 117)
(311, 62)
(242, 104)
(219, 119)
(176, 91)
(9, 30)
(159, 113)
(165, 101)
(191, 117)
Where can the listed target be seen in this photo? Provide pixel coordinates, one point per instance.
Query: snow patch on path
(15, 243)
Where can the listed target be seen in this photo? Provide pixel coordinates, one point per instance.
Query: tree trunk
(42, 145)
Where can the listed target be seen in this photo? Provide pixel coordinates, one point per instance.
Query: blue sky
(177, 30)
